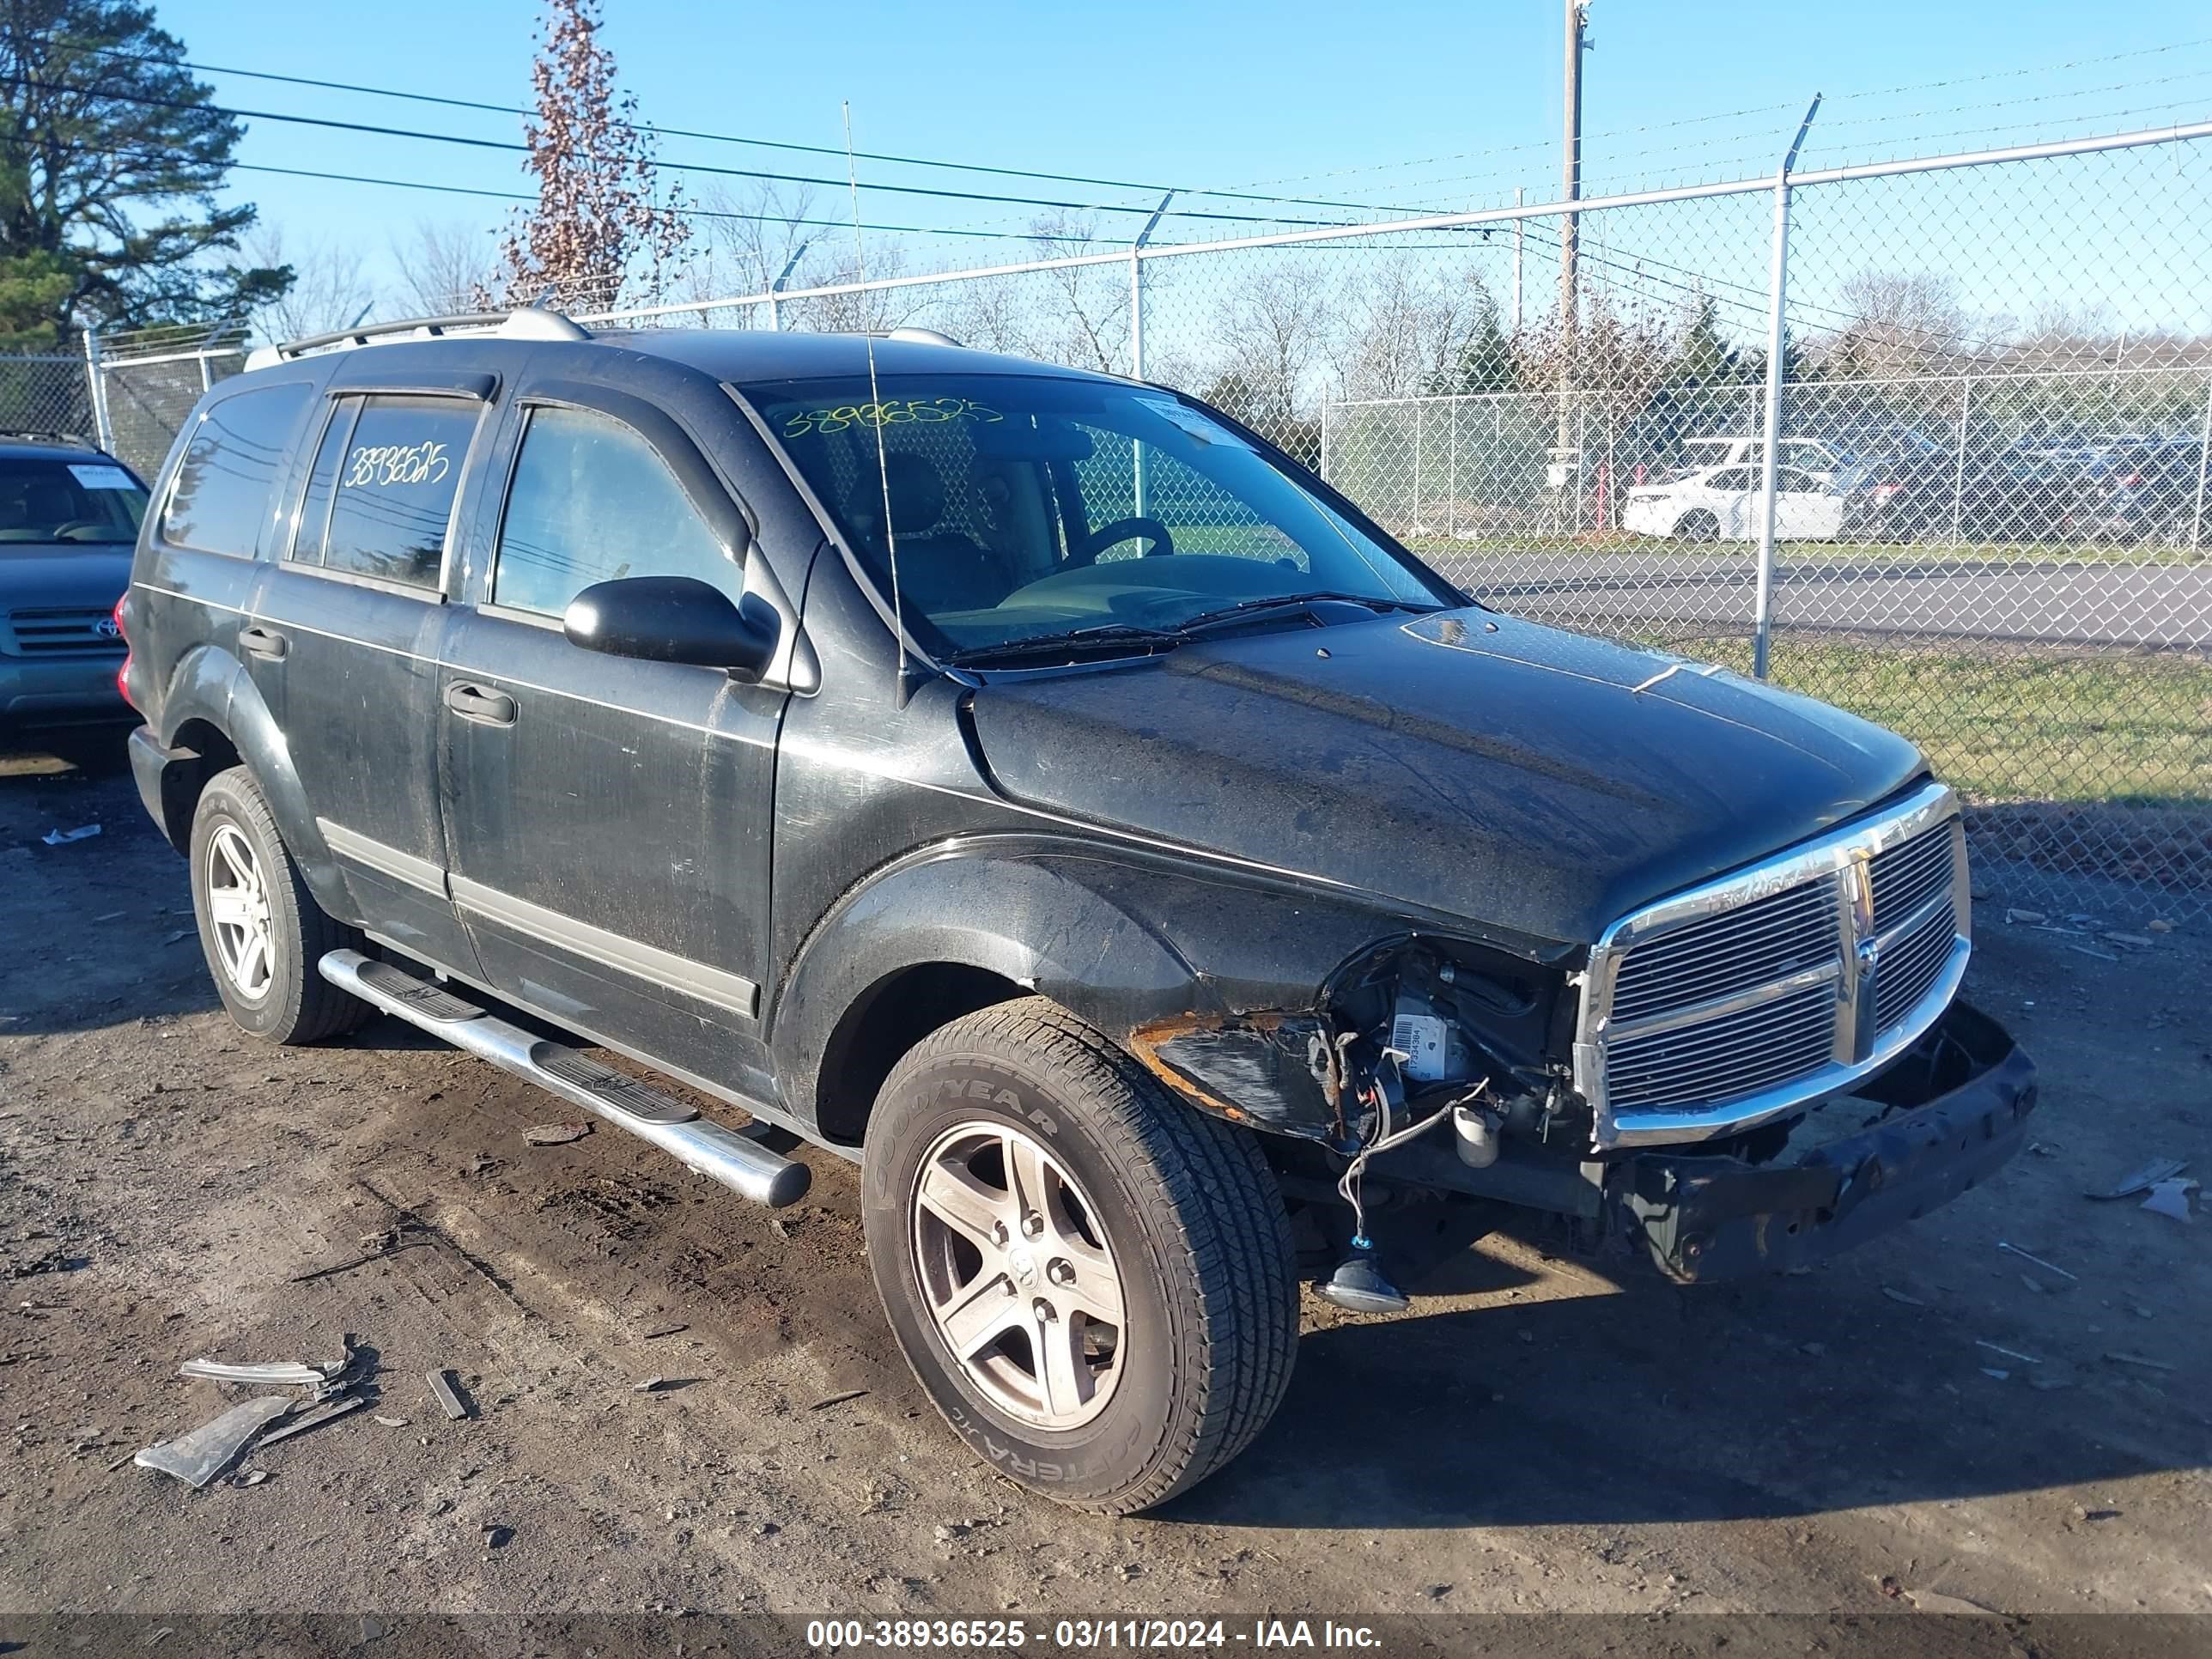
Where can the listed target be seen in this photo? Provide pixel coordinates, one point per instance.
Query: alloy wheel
(238, 912)
(1017, 1275)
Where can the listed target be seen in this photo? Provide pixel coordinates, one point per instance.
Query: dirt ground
(1931, 1417)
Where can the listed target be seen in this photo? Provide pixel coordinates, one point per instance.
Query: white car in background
(1811, 455)
(1721, 504)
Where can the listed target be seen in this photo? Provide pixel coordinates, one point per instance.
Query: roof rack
(525, 323)
(915, 336)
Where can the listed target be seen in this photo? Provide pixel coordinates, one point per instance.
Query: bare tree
(1090, 324)
(762, 227)
(1899, 326)
(875, 310)
(328, 288)
(445, 267)
(1271, 332)
(1411, 331)
(600, 228)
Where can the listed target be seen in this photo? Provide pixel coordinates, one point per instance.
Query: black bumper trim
(1959, 1102)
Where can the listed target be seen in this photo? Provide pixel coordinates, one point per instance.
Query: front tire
(260, 928)
(1095, 1284)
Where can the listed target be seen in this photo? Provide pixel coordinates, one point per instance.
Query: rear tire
(1698, 527)
(260, 928)
(1114, 1342)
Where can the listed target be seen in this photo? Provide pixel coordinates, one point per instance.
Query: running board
(735, 1158)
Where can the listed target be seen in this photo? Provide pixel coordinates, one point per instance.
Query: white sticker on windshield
(1206, 431)
(98, 475)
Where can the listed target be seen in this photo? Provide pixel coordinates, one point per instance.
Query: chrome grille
(51, 631)
(1905, 877)
(1765, 940)
(1721, 1058)
(1743, 1000)
(1910, 964)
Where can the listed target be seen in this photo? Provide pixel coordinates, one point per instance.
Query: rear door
(609, 818)
(1805, 508)
(344, 638)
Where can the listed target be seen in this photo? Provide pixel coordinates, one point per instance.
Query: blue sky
(1412, 106)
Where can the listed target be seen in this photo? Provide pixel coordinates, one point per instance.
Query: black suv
(1035, 787)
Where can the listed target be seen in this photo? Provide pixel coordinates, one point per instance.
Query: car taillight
(123, 674)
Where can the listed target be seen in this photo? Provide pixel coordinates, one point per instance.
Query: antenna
(876, 402)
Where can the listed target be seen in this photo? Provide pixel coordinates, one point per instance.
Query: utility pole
(1571, 189)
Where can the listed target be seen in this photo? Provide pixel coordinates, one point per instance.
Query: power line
(507, 146)
(712, 137)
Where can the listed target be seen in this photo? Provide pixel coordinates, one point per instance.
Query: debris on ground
(2009, 1353)
(1996, 1375)
(555, 1134)
(197, 1457)
(2158, 925)
(1895, 1294)
(2148, 1364)
(2170, 1198)
(651, 1385)
(2101, 956)
(2157, 1169)
(665, 1330)
(393, 1422)
(276, 1372)
(824, 1405)
(2037, 1261)
(447, 1396)
(62, 837)
(2140, 941)
(1937, 1601)
(2030, 918)
(327, 1413)
(404, 1235)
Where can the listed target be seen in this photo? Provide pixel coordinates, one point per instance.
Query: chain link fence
(1983, 522)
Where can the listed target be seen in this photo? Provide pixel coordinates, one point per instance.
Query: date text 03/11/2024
(832, 1634)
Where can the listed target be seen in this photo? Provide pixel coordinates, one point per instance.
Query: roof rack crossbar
(537, 322)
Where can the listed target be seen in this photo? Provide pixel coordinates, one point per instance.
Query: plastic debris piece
(197, 1457)
(2014, 1249)
(555, 1134)
(2033, 917)
(2170, 1198)
(314, 1419)
(1936, 1601)
(2143, 1180)
(651, 1385)
(1993, 1372)
(62, 837)
(2158, 925)
(2101, 956)
(2143, 941)
(255, 1478)
(1900, 1296)
(441, 1386)
(393, 1422)
(2009, 1353)
(2148, 1364)
(277, 1371)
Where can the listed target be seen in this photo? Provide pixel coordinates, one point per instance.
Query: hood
(36, 575)
(1470, 763)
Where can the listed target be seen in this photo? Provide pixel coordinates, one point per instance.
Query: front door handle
(474, 702)
(264, 642)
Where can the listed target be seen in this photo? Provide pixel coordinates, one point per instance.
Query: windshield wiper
(1252, 610)
(1037, 645)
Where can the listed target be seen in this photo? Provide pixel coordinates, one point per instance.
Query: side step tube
(732, 1157)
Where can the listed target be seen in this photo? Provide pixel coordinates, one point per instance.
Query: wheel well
(210, 751)
(886, 1020)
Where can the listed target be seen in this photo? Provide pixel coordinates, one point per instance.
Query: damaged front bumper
(1951, 1109)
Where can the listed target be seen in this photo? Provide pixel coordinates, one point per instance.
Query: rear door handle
(264, 642)
(474, 702)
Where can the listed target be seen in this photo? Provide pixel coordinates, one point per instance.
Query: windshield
(1026, 507)
(55, 500)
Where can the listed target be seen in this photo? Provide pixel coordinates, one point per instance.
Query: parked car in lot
(1106, 858)
(1722, 503)
(1815, 455)
(69, 517)
(2145, 489)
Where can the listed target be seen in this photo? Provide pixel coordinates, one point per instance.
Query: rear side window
(221, 497)
(591, 501)
(380, 498)
(91, 501)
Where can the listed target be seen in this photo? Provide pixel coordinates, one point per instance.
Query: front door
(609, 818)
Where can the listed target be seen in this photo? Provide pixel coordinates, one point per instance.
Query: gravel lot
(1533, 1436)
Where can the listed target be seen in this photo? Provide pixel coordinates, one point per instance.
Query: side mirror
(674, 619)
